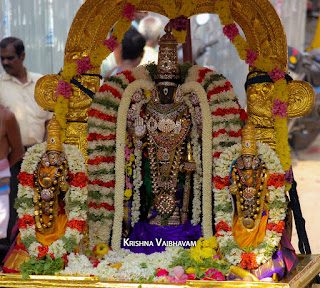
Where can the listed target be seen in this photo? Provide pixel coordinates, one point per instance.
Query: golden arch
(257, 18)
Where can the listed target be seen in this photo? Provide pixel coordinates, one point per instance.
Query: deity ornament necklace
(168, 126)
(52, 173)
(249, 200)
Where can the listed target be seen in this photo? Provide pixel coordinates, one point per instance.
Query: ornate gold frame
(257, 18)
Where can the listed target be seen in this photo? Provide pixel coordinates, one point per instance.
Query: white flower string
(206, 156)
(120, 157)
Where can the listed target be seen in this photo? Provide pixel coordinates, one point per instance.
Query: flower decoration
(64, 89)
(230, 250)
(111, 43)
(222, 8)
(104, 117)
(75, 203)
(279, 109)
(128, 11)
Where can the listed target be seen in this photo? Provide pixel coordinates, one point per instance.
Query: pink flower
(276, 74)
(162, 272)
(111, 43)
(213, 274)
(179, 275)
(231, 31)
(251, 57)
(128, 11)
(279, 108)
(179, 23)
(64, 89)
(84, 65)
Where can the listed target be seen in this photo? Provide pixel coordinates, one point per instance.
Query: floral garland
(280, 94)
(223, 209)
(227, 118)
(75, 199)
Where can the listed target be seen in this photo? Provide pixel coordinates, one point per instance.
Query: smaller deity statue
(249, 176)
(50, 181)
(49, 222)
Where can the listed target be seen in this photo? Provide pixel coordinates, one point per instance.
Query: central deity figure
(160, 128)
(164, 129)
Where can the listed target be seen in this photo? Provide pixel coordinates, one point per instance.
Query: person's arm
(14, 138)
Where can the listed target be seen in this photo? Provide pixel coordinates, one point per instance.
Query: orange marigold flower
(276, 180)
(222, 226)
(77, 224)
(26, 179)
(43, 251)
(27, 220)
(79, 179)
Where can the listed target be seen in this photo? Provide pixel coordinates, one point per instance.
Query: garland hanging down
(226, 118)
(75, 199)
(223, 209)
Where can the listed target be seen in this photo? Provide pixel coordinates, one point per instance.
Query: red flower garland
(77, 224)
(104, 205)
(26, 179)
(101, 159)
(96, 136)
(276, 227)
(79, 179)
(223, 112)
(109, 184)
(249, 261)
(97, 114)
(202, 74)
(220, 183)
(115, 92)
(27, 220)
(43, 251)
(276, 180)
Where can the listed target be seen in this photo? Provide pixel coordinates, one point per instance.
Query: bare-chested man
(11, 151)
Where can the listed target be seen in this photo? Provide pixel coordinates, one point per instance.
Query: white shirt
(19, 98)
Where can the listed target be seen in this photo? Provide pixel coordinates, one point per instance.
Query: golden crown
(54, 135)
(249, 146)
(168, 68)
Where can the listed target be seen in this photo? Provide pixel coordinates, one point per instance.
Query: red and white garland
(76, 212)
(226, 115)
(223, 211)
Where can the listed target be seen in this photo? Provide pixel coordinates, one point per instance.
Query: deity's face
(53, 158)
(166, 93)
(247, 161)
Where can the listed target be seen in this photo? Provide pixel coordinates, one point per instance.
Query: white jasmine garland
(120, 159)
(223, 197)
(29, 165)
(206, 155)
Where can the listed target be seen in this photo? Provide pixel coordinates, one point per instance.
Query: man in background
(150, 27)
(11, 152)
(132, 52)
(17, 86)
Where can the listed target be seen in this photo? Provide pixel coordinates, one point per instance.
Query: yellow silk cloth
(19, 256)
(59, 229)
(247, 239)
